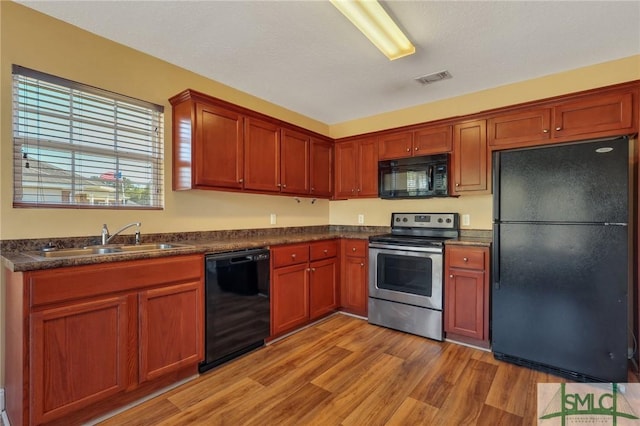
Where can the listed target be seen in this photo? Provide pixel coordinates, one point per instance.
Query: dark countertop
(20, 261)
(23, 255)
(469, 241)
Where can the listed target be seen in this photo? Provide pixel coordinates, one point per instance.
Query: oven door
(410, 275)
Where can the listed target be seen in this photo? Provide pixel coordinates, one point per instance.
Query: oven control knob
(448, 220)
(397, 219)
(440, 220)
(405, 219)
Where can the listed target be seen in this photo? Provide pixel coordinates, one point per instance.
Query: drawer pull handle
(293, 256)
(325, 251)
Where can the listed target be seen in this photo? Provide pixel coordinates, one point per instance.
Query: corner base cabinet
(304, 284)
(85, 340)
(466, 309)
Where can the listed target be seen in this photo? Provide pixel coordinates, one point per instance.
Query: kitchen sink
(110, 249)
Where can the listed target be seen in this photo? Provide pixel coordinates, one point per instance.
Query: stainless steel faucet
(106, 237)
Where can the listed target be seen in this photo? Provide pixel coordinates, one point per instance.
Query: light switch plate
(272, 218)
(360, 219)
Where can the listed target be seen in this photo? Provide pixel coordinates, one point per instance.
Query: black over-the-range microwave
(415, 177)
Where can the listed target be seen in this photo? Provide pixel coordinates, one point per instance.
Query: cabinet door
(323, 287)
(367, 168)
(470, 157)
(294, 162)
(289, 298)
(464, 304)
(171, 333)
(321, 165)
(354, 293)
(395, 145)
(595, 114)
(78, 356)
(524, 128)
(218, 148)
(346, 169)
(432, 140)
(262, 156)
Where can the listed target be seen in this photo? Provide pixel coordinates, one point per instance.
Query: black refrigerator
(560, 272)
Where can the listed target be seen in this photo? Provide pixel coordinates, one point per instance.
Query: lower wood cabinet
(85, 340)
(354, 294)
(466, 309)
(304, 284)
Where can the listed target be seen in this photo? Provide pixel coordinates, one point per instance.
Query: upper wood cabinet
(469, 158)
(220, 146)
(587, 116)
(321, 168)
(356, 168)
(261, 156)
(523, 128)
(426, 141)
(294, 162)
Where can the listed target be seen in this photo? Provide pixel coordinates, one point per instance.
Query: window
(83, 147)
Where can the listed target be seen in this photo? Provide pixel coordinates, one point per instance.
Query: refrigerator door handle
(496, 186)
(495, 258)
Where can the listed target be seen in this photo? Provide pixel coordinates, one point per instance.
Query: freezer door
(560, 297)
(584, 182)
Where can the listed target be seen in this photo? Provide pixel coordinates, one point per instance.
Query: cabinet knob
(353, 190)
(408, 149)
(359, 190)
(558, 129)
(353, 249)
(545, 130)
(450, 276)
(313, 269)
(457, 184)
(362, 264)
(293, 256)
(313, 189)
(308, 269)
(325, 251)
(278, 185)
(240, 180)
(466, 259)
(284, 186)
(416, 149)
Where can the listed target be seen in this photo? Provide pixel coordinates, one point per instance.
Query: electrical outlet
(466, 220)
(361, 219)
(272, 218)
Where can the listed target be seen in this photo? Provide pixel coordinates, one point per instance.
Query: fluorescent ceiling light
(375, 23)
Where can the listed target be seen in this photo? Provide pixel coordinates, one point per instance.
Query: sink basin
(110, 249)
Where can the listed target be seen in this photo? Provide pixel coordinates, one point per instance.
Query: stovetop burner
(420, 229)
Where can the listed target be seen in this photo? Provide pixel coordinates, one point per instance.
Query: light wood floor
(344, 371)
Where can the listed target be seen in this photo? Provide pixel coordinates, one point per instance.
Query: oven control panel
(424, 220)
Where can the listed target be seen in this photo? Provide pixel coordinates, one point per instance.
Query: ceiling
(307, 57)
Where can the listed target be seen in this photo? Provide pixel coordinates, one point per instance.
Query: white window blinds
(79, 146)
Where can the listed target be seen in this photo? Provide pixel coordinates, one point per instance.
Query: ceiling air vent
(434, 77)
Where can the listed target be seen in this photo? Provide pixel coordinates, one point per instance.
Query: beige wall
(36, 41)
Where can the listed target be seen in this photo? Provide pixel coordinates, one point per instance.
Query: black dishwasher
(237, 310)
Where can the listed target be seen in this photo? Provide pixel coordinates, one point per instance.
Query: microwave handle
(431, 176)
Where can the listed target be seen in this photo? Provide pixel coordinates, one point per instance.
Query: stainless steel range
(405, 273)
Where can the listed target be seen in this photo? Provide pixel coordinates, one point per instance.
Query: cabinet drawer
(356, 248)
(290, 255)
(324, 250)
(468, 258)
